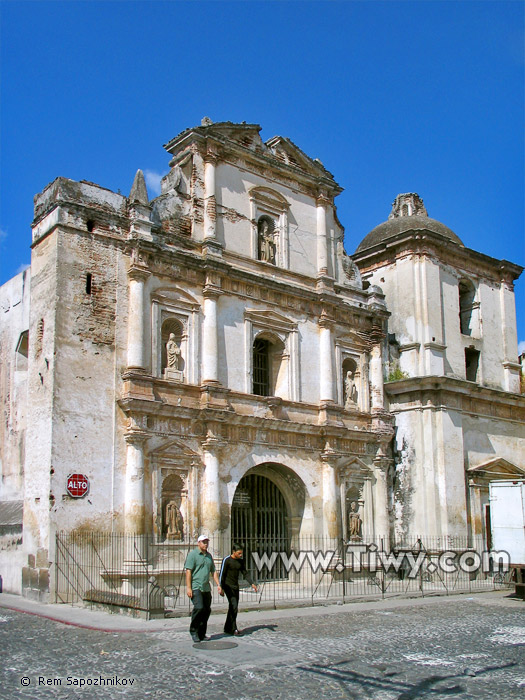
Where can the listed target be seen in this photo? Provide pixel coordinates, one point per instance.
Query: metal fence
(135, 573)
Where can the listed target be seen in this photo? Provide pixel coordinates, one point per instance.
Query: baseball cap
(203, 537)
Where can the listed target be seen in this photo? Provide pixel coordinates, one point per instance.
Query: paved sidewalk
(110, 622)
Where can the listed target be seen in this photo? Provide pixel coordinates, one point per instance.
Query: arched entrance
(259, 521)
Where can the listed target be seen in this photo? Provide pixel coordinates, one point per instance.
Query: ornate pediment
(287, 152)
(269, 319)
(175, 296)
(246, 135)
(497, 469)
(174, 452)
(352, 468)
(352, 340)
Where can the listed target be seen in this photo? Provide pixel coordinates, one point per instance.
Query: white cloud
(521, 347)
(3, 234)
(153, 181)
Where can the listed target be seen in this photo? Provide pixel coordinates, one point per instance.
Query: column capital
(211, 291)
(138, 272)
(322, 200)
(382, 463)
(377, 334)
(137, 438)
(210, 156)
(325, 321)
(330, 458)
(213, 444)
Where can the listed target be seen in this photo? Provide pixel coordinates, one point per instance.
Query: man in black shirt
(231, 567)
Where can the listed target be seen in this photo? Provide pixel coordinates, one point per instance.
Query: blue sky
(393, 97)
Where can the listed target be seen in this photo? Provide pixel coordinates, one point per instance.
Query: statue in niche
(266, 242)
(350, 390)
(354, 522)
(174, 522)
(172, 352)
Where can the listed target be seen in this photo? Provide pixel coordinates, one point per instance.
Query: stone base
(174, 375)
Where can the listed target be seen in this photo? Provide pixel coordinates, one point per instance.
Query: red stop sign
(77, 485)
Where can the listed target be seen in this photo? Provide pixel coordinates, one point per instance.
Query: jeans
(231, 618)
(201, 612)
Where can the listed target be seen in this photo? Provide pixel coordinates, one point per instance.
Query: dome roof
(408, 214)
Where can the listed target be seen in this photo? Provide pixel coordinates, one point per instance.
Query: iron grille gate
(260, 521)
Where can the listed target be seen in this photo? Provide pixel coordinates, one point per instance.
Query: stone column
(210, 214)
(211, 499)
(381, 522)
(368, 511)
(134, 493)
(326, 357)
(376, 378)
(137, 279)
(322, 244)
(210, 345)
(330, 511)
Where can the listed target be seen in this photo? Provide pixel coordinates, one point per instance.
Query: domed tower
(451, 368)
(452, 308)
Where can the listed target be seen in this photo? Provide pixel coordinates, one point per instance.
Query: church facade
(212, 360)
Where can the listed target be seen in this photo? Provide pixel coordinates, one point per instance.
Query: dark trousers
(231, 618)
(200, 614)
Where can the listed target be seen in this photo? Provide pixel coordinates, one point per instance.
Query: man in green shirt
(199, 565)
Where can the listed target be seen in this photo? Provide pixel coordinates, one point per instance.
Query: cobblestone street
(460, 647)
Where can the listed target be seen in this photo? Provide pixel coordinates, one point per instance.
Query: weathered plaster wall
(429, 496)
(14, 320)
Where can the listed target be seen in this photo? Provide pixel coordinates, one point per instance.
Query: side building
(452, 368)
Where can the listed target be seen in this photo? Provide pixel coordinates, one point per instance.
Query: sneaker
(205, 639)
(238, 633)
(195, 638)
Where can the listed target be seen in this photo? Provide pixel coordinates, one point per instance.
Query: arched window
(467, 307)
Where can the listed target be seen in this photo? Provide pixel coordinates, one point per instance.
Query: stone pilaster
(322, 244)
(326, 358)
(381, 509)
(210, 214)
(137, 279)
(134, 509)
(376, 378)
(330, 508)
(210, 345)
(211, 492)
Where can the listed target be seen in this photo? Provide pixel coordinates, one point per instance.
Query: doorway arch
(260, 522)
